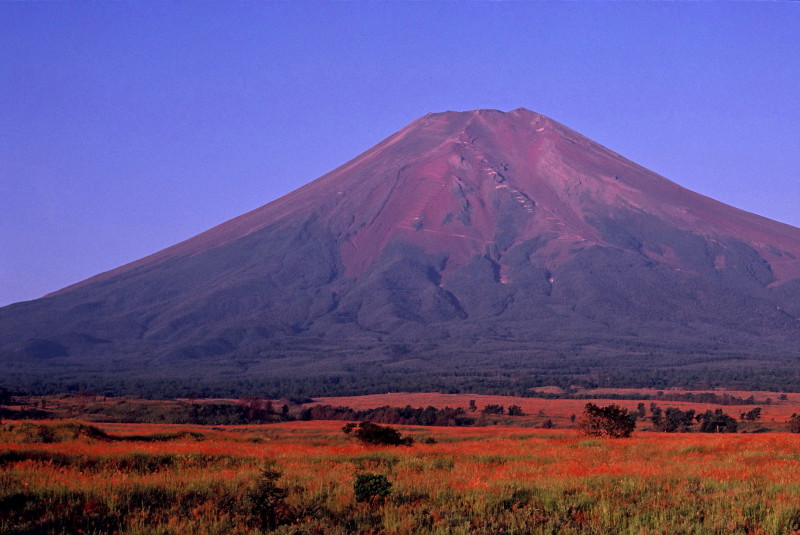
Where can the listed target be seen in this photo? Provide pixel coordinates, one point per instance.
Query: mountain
(469, 248)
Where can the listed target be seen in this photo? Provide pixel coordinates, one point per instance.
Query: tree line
(618, 422)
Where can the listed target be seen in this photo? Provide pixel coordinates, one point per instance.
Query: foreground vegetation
(310, 477)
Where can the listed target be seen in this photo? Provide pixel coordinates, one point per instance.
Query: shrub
(657, 416)
(266, 501)
(610, 421)
(493, 409)
(370, 487)
(752, 415)
(794, 423)
(375, 434)
(515, 410)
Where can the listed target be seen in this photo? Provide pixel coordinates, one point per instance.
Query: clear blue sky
(126, 127)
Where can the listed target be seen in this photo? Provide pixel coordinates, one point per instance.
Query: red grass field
(64, 477)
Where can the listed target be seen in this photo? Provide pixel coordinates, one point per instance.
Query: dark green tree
(794, 423)
(379, 435)
(493, 409)
(370, 487)
(266, 501)
(656, 415)
(610, 421)
(676, 420)
(515, 410)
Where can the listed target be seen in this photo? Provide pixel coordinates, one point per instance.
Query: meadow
(298, 477)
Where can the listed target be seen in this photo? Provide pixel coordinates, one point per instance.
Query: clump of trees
(493, 409)
(610, 421)
(751, 415)
(257, 409)
(673, 420)
(716, 422)
(376, 435)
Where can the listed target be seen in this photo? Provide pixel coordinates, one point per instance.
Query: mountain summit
(466, 244)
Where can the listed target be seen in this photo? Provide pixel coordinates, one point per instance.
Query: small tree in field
(266, 500)
(676, 420)
(515, 410)
(610, 421)
(794, 423)
(371, 487)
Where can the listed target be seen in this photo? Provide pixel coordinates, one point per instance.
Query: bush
(266, 501)
(375, 434)
(752, 415)
(794, 423)
(493, 409)
(610, 421)
(369, 487)
(515, 410)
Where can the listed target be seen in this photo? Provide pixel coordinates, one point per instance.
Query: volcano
(469, 247)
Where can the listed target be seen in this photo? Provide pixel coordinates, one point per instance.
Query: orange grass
(472, 480)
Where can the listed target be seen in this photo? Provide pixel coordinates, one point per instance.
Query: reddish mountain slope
(465, 233)
(440, 182)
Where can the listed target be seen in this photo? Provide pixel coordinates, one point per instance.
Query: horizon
(131, 127)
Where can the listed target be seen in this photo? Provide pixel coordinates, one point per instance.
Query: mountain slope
(466, 244)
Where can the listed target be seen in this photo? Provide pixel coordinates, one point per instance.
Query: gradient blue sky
(126, 127)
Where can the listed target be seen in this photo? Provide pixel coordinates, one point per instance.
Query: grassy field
(70, 477)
